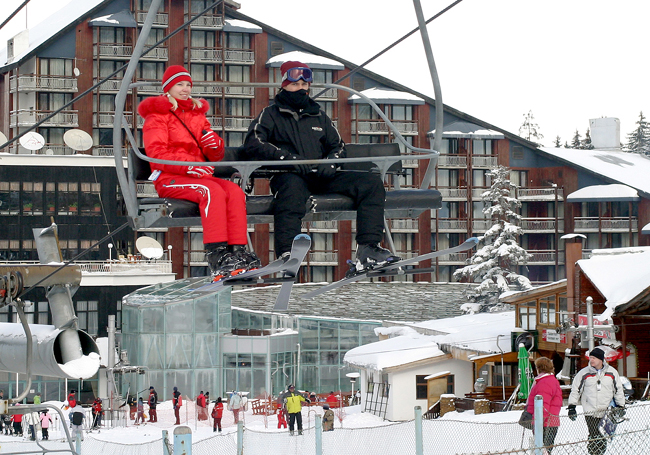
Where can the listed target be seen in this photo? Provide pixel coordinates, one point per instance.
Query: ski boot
(221, 261)
(248, 260)
(369, 256)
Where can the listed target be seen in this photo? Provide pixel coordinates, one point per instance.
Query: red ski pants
(222, 205)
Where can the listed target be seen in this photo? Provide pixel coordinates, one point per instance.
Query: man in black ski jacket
(296, 128)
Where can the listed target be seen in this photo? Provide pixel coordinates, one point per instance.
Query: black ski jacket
(279, 131)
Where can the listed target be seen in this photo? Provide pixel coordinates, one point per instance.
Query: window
(88, 315)
(236, 73)
(9, 198)
(401, 112)
(482, 147)
(528, 315)
(52, 101)
(202, 72)
(519, 178)
(55, 67)
(202, 38)
(547, 309)
(238, 107)
(238, 40)
(420, 387)
(32, 198)
(151, 71)
(112, 34)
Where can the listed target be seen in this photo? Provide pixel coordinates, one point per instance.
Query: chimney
(605, 133)
(573, 253)
(17, 45)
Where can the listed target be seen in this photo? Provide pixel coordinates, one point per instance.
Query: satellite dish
(3, 138)
(76, 71)
(149, 247)
(78, 140)
(32, 141)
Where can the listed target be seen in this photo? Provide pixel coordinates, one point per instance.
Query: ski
(299, 250)
(389, 269)
(252, 277)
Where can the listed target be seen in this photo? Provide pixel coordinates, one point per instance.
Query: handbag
(526, 420)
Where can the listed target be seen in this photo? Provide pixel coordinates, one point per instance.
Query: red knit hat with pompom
(173, 75)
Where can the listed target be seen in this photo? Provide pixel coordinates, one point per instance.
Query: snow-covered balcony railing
(48, 149)
(616, 224)
(27, 117)
(323, 258)
(239, 56)
(453, 193)
(405, 225)
(157, 53)
(542, 224)
(112, 50)
(111, 85)
(488, 162)
(545, 257)
(125, 267)
(481, 226)
(230, 123)
(449, 225)
(452, 161)
(159, 20)
(30, 83)
(206, 22)
(105, 119)
(379, 127)
(154, 88)
(454, 258)
(324, 226)
(540, 194)
(107, 150)
(205, 54)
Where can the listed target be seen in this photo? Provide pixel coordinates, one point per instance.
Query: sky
(565, 61)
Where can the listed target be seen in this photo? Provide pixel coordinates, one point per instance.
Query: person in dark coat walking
(546, 385)
(153, 402)
(177, 402)
(296, 128)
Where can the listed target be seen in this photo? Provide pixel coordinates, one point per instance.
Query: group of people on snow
(293, 128)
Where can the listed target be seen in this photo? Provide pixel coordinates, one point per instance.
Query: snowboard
(392, 268)
(299, 249)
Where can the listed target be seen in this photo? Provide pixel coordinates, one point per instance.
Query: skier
(201, 407)
(295, 128)
(176, 128)
(282, 418)
(72, 399)
(139, 418)
(153, 402)
(177, 402)
(293, 404)
(31, 419)
(328, 418)
(235, 404)
(97, 412)
(78, 417)
(46, 420)
(217, 414)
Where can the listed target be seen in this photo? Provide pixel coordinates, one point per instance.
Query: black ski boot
(371, 254)
(248, 260)
(220, 260)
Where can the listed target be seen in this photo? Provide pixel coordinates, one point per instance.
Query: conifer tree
(498, 252)
(576, 141)
(586, 144)
(557, 142)
(638, 141)
(530, 129)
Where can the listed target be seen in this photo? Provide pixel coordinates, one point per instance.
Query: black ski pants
(597, 444)
(292, 191)
(295, 417)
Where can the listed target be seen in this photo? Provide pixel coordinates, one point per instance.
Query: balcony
(545, 257)
(324, 226)
(586, 224)
(542, 225)
(452, 161)
(107, 150)
(485, 162)
(540, 194)
(455, 194)
(214, 89)
(28, 117)
(449, 225)
(230, 123)
(380, 127)
(161, 20)
(212, 55)
(323, 258)
(455, 258)
(121, 51)
(481, 226)
(31, 83)
(48, 149)
(206, 22)
(105, 119)
(404, 226)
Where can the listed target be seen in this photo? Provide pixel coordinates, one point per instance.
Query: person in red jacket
(201, 407)
(217, 413)
(546, 385)
(177, 129)
(177, 402)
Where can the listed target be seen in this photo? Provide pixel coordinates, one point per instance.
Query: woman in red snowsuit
(217, 413)
(547, 385)
(177, 129)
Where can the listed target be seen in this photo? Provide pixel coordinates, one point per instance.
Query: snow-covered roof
(604, 193)
(122, 18)
(467, 130)
(314, 61)
(386, 96)
(630, 169)
(52, 25)
(394, 352)
(632, 278)
(473, 332)
(237, 25)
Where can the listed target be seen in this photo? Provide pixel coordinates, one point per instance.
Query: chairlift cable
(85, 92)
(379, 54)
(11, 16)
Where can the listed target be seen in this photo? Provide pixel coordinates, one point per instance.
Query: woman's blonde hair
(544, 365)
(172, 100)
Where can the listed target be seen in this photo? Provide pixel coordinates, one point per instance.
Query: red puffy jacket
(166, 138)
(548, 387)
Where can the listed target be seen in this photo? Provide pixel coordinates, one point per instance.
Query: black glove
(302, 169)
(326, 170)
(573, 415)
(618, 412)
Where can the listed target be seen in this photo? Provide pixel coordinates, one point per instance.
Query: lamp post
(353, 378)
(110, 252)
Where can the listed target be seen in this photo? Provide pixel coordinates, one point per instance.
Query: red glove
(210, 139)
(200, 171)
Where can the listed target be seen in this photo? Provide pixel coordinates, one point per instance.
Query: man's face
(298, 85)
(595, 362)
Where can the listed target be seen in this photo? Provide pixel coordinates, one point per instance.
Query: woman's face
(181, 90)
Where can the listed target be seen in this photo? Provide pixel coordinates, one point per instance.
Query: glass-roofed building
(190, 336)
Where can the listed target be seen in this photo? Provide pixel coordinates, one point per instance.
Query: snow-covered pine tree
(638, 141)
(557, 142)
(576, 142)
(530, 129)
(498, 252)
(586, 144)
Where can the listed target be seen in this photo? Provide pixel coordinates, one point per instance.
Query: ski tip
(302, 236)
(473, 240)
